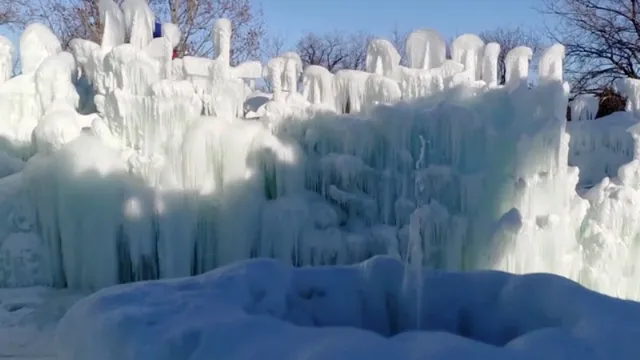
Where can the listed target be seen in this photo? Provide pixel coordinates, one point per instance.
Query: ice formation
(584, 107)
(317, 85)
(630, 89)
(431, 163)
(112, 18)
(6, 59)
(599, 148)
(274, 72)
(550, 65)
(291, 71)
(490, 64)
(517, 65)
(221, 36)
(381, 90)
(468, 49)
(382, 57)
(139, 21)
(172, 33)
(350, 90)
(425, 49)
(37, 43)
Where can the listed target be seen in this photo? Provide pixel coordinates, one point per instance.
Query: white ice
(119, 165)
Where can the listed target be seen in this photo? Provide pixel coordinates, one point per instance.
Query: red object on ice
(175, 54)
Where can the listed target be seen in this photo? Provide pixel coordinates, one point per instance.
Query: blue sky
(290, 19)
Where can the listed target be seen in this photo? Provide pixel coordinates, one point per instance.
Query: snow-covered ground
(262, 309)
(28, 321)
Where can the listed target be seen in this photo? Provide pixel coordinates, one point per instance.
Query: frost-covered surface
(598, 148)
(357, 312)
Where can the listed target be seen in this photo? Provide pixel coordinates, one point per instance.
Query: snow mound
(352, 312)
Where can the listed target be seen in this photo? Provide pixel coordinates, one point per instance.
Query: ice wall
(320, 189)
(611, 230)
(584, 107)
(599, 148)
(432, 165)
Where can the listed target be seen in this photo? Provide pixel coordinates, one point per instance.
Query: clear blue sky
(290, 19)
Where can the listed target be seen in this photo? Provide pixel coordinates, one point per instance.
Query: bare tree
(334, 50)
(196, 17)
(399, 40)
(602, 40)
(71, 19)
(509, 38)
(272, 46)
(10, 12)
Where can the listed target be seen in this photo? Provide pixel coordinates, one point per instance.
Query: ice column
(6, 59)
(221, 37)
(467, 49)
(425, 49)
(550, 64)
(290, 78)
(317, 84)
(274, 70)
(490, 64)
(584, 107)
(517, 65)
(630, 89)
(139, 20)
(112, 19)
(382, 58)
(37, 43)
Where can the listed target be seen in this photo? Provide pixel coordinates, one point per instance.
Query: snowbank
(354, 312)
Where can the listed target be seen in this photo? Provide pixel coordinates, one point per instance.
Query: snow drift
(350, 312)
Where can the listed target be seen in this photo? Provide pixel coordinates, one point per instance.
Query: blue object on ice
(157, 30)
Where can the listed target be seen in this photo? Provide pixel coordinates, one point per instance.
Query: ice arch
(425, 49)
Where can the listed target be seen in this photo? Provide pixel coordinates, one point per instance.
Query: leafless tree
(71, 19)
(509, 38)
(602, 40)
(399, 40)
(334, 51)
(196, 17)
(10, 12)
(272, 46)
